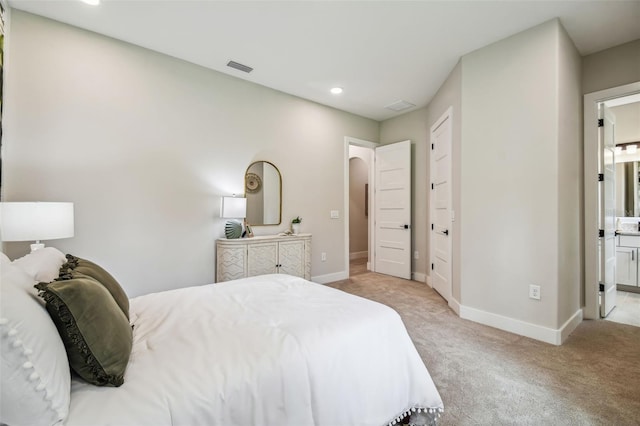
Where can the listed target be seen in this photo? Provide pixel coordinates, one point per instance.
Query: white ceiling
(379, 52)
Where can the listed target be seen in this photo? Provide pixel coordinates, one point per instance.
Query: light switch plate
(335, 214)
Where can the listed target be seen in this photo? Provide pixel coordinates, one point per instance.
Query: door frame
(348, 141)
(591, 309)
(447, 115)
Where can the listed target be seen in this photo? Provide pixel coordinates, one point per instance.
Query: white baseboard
(428, 281)
(329, 278)
(522, 328)
(420, 277)
(571, 324)
(358, 255)
(454, 305)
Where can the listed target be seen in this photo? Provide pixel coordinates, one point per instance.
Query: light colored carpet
(490, 377)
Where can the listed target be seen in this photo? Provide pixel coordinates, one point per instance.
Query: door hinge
(432, 147)
(432, 226)
(600, 233)
(600, 177)
(432, 266)
(431, 186)
(600, 122)
(601, 287)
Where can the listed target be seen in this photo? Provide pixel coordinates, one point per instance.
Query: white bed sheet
(267, 350)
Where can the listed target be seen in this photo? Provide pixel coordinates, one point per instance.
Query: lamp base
(233, 229)
(36, 246)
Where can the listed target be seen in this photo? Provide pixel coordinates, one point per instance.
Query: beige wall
(145, 145)
(570, 172)
(613, 67)
(512, 175)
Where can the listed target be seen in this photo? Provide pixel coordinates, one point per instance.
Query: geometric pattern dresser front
(248, 257)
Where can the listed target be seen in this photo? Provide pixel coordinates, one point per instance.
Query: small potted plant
(295, 225)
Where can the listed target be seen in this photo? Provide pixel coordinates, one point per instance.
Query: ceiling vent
(400, 106)
(239, 66)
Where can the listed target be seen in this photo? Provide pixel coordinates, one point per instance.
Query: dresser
(272, 254)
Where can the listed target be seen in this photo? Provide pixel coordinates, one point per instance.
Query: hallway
(358, 266)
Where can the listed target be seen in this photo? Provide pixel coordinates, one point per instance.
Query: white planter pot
(295, 228)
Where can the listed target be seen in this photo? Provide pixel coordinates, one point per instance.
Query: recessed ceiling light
(92, 2)
(336, 90)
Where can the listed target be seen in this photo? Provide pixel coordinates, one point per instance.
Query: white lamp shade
(234, 207)
(35, 221)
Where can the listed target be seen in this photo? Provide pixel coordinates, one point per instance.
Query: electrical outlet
(534, 292)
(323, 257)
(416, 255)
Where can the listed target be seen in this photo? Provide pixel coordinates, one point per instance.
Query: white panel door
(607, 212)
(440, 202)
(393, 209)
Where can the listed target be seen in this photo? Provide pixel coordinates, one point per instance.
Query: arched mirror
(263, 190)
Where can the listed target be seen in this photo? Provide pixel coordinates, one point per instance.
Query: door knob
(445, 232)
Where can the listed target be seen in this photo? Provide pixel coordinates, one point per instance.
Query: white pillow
(35, 387)
(4, 260)
(42, 265)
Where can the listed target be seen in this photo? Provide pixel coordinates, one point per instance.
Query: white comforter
(269, 350)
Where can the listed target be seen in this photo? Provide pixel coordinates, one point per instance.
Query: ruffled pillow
(76, 267)
(96, 333)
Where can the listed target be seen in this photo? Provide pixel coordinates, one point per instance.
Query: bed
(267, 350)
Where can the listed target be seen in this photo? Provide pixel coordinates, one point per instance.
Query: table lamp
(35, 221)
(233, 208)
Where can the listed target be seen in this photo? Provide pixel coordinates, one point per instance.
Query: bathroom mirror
(627, 189)
(263, 190)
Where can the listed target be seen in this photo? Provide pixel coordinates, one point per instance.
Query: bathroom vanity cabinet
(627, 250)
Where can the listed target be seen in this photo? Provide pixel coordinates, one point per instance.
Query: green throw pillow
(95, 332)
(77, 267)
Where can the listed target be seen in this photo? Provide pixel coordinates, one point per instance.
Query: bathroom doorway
(623, 104)
(626, 111)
